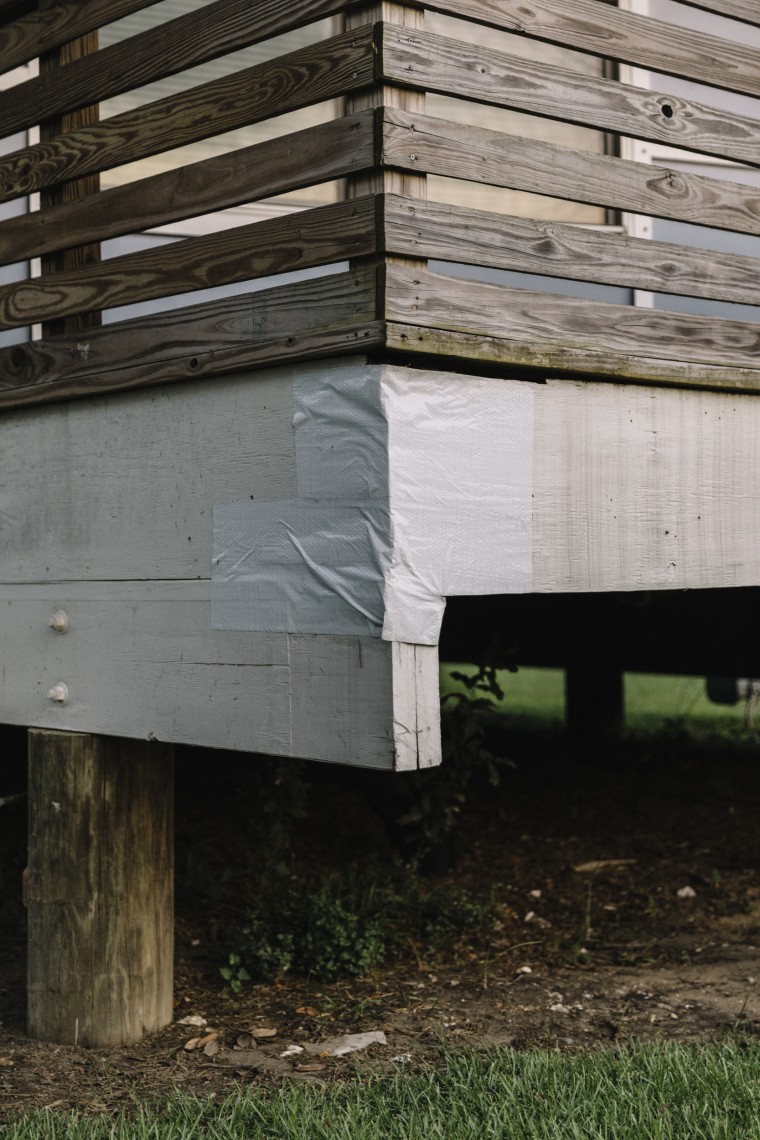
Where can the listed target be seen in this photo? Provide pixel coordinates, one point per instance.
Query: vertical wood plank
(387, 181)
(83, 255)
(100, 888)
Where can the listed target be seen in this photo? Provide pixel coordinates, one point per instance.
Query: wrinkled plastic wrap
(461, 464)
(411, 486)
(317, 563)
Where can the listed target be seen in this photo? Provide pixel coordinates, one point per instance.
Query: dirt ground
(627, 879)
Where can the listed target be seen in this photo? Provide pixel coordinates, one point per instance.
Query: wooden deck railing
(383, 254)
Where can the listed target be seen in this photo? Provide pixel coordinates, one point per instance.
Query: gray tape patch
(341, 435)
(299, 567)
(315, 564)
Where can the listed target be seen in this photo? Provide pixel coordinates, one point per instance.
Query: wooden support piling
(100, 888)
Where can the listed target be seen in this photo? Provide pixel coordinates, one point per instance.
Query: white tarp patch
(411, 486)
(461, 463)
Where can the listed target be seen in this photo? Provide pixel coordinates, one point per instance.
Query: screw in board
(59, 622)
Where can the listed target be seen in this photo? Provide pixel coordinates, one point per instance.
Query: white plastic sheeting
(411, 486)
(461, 481)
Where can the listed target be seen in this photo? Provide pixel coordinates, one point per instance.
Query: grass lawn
(652, 701)
(639, 1093)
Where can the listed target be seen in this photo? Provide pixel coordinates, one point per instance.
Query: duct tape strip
(299, 567)
(317, 563)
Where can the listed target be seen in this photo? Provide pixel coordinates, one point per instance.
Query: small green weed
(347, 925)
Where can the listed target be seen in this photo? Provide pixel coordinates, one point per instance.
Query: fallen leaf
(314, 1067)
(244, 1041)
(259, 1033)
(601, 864)
(191, 1044)
(193, 1019)
(209, 1037)
(292, 1051)
(7, 1061)
(211, 1048)
(686, 893)
(308, 1009)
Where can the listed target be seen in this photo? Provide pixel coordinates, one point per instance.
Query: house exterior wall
(261, 562)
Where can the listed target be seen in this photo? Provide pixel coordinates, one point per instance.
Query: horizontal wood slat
(599, 28)
(54, 23)
(745, 10)
(325, 70)
(35, 33)
(540, 320)
(187, 41)
(450, 67)
(456, 150)
(276, 166)
(279, 245)
(547, 361)
(335, 313)
(452, 233)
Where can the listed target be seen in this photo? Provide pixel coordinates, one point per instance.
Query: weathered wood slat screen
(388, 67)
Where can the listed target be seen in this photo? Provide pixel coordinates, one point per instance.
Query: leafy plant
(235, 974)
(346, 925)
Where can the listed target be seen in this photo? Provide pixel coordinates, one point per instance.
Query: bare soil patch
(627, 881)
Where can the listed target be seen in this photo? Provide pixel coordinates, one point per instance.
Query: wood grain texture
(457, 150)
(276, 166)
(140, 661)
(603, 30)
(535, 362)
(416, 706)
(540, 321)
(541, 318)
(29, 35)
(325, 70)
(329, 315)
(86, 253)
(174, 46)
(684, 521)
(279, 245)
(101, 889)
(51, 23)
(452, 233)
(450, 67)
(745, 10)
(405, 19)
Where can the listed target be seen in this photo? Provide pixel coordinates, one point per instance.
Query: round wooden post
(101, 890)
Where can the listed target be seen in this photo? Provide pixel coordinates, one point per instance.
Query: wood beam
(100, 888)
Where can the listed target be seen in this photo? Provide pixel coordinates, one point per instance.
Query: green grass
(652, 701)
(643, 1093)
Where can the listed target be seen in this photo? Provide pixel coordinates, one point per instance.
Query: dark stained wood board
(456, 150)
(323, 71)
(184, 42)
(276, 166)
(295, 241)
(29, 35)
(334, 313)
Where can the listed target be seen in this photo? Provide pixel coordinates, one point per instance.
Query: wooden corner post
(101, 888)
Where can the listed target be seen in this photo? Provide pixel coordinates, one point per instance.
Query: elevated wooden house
(317, 313)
